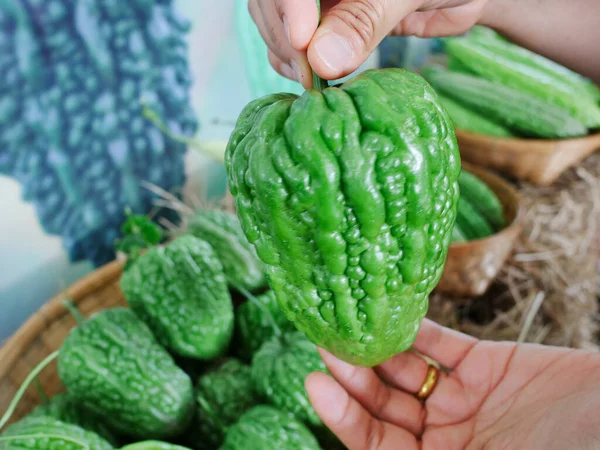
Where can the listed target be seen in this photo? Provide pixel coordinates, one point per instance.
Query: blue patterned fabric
(71, 128)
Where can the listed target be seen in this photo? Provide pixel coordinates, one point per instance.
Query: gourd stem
(79, 318)
(260, 306)
(83, 445)
(319, 83)
(32, 375)
(215, 150)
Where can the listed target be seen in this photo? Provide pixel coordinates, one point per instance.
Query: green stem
(79, 318)
(260, 306)
(34, 373)
(319, 83)
(214, 149)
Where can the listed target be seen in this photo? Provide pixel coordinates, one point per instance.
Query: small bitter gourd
(180, 292)
(266, 428)
(112, 365)
(48, 433)
(465, 118)
(514, 108)
(65, 408)
(483, 199)
(471, 223)
(495, 66)
(222, 396)
(349, 196)
(279, 369)
(254, 323)
(222, 230)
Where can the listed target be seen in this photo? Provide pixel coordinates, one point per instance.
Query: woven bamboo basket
(472, 266)
(539, 161)
(44, 332)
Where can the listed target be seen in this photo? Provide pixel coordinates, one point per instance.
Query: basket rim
(530, 145)
(52, 310)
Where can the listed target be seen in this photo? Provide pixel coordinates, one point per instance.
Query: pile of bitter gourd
(185, 366)
(497, 88)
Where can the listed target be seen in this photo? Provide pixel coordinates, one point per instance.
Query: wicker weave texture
(44, 332)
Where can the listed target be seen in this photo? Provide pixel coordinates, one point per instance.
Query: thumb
(350, 31)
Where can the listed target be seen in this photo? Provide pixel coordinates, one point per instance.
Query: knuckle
(382, 398)
(362, 16)
(374, 435)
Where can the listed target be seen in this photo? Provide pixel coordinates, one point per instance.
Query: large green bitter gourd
(112, 365)
(349, 196)
(180, 292)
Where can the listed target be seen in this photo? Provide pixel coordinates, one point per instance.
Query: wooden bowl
(538, 161)
(472, 266)
(44, 332)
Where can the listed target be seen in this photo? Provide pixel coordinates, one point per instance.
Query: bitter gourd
(279, 369)
(222, 230)
(65, 408)
(180, 292)
(254, 323)
(499, 45)
(465, 118)
(222, 396)
(349, 196)
(485, 201)
(495, 66)
(514, 108)
(112, 365)
(470, 222)
(266, 428)
(48, 433)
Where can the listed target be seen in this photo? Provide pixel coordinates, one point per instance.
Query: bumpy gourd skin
(65, 408)
(113, 365)
(59, 436)
(279, 369)
(254, 326)
(266, 428)
(181, 292)
(349, 197)
(221, 229)
(222, 396)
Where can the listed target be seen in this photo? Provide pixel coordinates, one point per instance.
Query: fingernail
(288, 72)
(297, 72)
(334, 50)
(286, 27)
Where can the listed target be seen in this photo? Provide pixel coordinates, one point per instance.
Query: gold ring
(429, 384)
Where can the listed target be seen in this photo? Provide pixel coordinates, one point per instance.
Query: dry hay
(548, 290)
